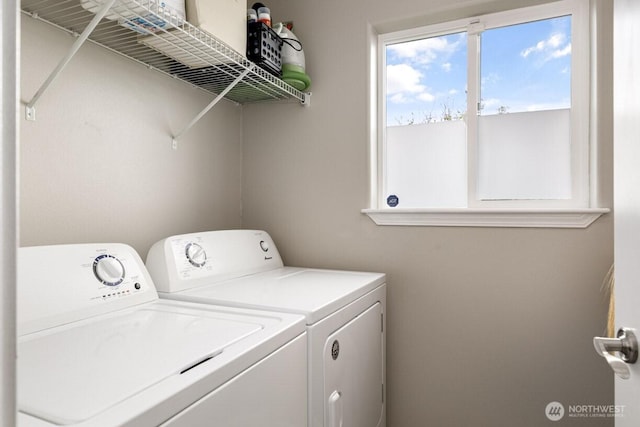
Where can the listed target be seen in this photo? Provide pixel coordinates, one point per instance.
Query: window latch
(475, 28)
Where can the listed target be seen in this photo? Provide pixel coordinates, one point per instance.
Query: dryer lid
(314, 293)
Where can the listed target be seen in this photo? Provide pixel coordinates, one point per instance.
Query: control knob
(196, 254)
(108, 270)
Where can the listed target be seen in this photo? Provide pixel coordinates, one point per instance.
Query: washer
(97, 347)
(344, 313)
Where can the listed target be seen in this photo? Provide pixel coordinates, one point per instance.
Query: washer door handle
(619, 352)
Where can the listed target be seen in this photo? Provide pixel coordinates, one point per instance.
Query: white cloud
(556, 40)
(490, 79)
(403, 78)
(426, 96)
(398, 98)
(559, 53)
(453, 92)
(403, 85)
(426, 51)
(537, 48)
(556, 46)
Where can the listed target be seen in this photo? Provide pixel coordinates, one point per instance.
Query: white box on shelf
(224, 19)
(138, 18)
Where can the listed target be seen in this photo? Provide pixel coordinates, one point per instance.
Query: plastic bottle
(264, 15)
(293, 61)
(252, 16)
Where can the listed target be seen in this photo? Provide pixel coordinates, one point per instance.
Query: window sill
(483, 217)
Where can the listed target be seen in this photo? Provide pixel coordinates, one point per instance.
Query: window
(488, 114)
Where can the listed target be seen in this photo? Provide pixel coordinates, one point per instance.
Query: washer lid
(72, 373)
(315, 293)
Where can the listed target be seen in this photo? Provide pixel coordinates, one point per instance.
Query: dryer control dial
(196, 254)
(108, 270)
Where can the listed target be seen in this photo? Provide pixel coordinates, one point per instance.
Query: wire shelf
(145, 31)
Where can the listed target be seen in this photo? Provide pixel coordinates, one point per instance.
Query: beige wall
(97, 164)
(485, 326)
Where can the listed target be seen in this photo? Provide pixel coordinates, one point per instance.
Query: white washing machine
(344, 313)
(97, 347)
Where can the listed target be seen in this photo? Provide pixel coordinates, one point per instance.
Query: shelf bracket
(176, 137)
(306, 99)
(30, 111)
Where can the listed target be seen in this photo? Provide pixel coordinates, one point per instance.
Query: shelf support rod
(30, 109)
(176, 137)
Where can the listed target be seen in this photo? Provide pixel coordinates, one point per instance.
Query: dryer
(97, 347)
(344, 312)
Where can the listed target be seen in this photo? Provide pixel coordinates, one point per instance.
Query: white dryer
(97, 347)
(344, 312)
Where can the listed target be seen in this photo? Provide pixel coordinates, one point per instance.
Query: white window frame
(577, 212)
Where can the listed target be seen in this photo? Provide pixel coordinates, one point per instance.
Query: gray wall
(485, 326)
(97, 164)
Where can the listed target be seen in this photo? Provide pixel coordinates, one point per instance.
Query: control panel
(185, 261)
(59, 281)
(116, 280)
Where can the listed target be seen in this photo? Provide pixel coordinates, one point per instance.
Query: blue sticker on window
(392, 201)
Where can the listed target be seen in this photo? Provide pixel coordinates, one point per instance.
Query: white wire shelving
(147, 32)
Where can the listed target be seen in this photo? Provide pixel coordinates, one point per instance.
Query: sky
(525, 67)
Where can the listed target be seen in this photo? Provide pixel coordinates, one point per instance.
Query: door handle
(335, 409)
(619, 352)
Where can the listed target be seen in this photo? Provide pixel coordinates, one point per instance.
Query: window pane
(524, 125)
(525, 156)
(426, 165)
(526, 67)
(426, 136)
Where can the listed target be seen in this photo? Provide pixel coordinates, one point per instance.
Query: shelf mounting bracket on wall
(176, 137)
(306, 100)
(31, 106)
